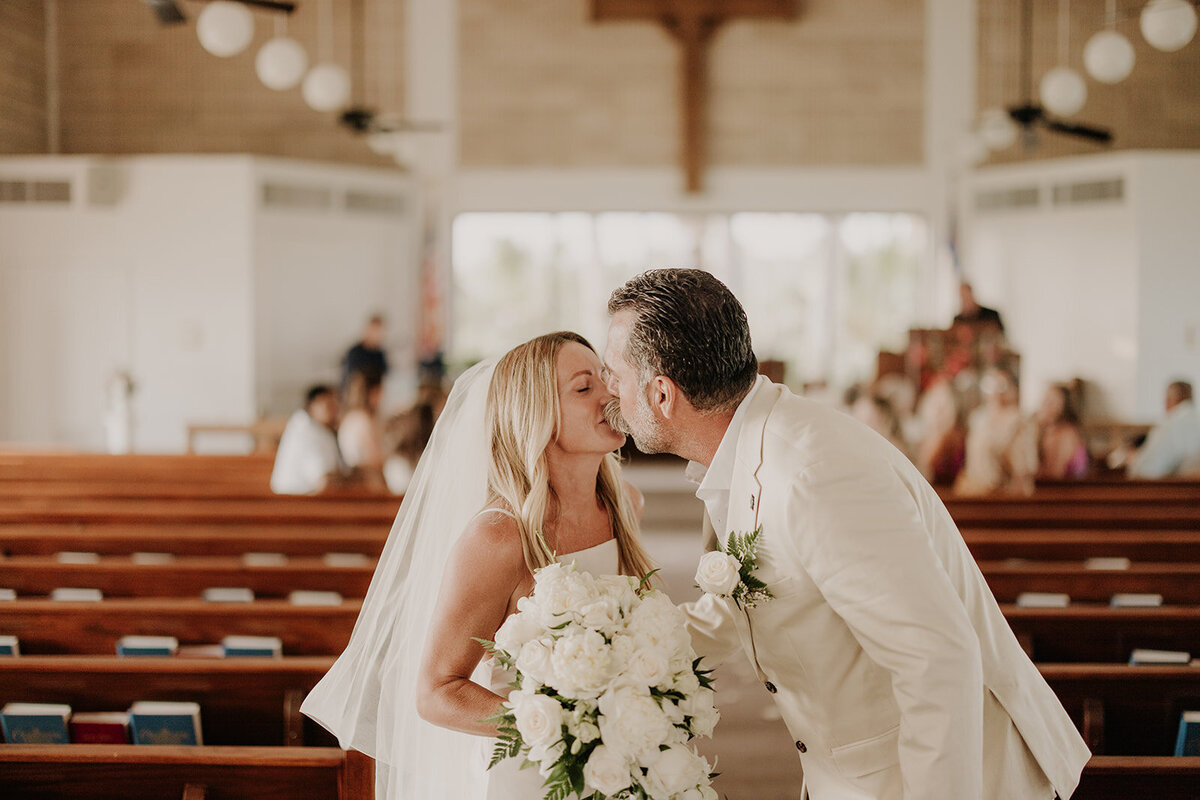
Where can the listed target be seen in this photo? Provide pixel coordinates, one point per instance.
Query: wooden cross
(693, 23)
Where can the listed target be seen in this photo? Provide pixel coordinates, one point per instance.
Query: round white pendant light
(326, 87)
(225, 28)
(997, 130)
(1108, 57)
(281, 63)
(1168, 24)
(1063, 91)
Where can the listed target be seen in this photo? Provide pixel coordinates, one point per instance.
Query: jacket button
(771, 687)
(800, 746)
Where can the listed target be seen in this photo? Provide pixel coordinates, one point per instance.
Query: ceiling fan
(169, 12)
(1029, 114)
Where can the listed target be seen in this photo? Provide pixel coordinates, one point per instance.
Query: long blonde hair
(523, 418)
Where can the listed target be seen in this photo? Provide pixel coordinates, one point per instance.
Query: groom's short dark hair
(690, 328)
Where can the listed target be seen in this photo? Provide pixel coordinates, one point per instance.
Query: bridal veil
(368, 698)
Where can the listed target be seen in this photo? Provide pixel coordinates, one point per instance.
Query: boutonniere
(729, 571)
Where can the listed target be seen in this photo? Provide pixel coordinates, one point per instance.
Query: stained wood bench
(313, 510)
(212, 469)
(124, 772)
(1178, 583)
(1126, 710)
(243, 701)
(1139, 778)
(46, 627)
(192, 538)
(187, 576)
(1076, 545)
(1100, 634)
(1013, 513)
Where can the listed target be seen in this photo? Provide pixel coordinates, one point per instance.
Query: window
(824, 293)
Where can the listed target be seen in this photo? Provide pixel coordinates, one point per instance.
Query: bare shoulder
(636, 499)
(492, 537)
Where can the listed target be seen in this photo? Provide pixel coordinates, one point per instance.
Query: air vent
(291, 195)
(1111, 190)
(374, 202)
(24, 191)
(1006, 199)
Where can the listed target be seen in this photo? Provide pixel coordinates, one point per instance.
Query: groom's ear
(664, 396)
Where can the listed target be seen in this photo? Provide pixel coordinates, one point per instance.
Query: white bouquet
(607, 692)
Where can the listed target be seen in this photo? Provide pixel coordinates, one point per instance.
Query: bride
(520, 470)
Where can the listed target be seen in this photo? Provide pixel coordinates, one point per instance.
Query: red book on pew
(100, 727)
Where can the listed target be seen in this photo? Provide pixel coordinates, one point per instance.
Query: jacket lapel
(745, 489)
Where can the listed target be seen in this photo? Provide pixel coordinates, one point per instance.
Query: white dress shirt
(715, 480)
(308, 452)
(1173, 446)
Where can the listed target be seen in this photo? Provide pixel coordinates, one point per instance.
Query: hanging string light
(327, 86)
(282, 61)
(1108, 56)
(1062, 89)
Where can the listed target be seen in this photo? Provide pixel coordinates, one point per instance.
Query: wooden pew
(1102, 491)
(1139, 778)
(101, 772)
(1102, 634)
(214, 469)
(47, 627)
(1126, 710)
(243, 701)
(1179, 584)
(991, 544)
(372, 510)
(187, 576)
(1012, 513)
(200, 539)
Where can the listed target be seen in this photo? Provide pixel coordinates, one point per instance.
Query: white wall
(1106, 291)
(217, 308)
(156, 283)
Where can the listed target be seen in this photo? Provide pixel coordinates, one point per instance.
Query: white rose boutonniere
(729, 572)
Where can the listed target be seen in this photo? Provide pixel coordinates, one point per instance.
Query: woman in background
(1062, 451)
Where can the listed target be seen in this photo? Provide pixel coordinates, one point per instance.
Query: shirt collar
(717, 477)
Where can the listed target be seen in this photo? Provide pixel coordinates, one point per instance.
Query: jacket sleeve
(857, 532)
(711, 625)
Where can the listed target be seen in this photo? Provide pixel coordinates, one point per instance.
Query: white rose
(582, 665)
(622, 648)
(621, 588)
(518, 629)
(647, 667)
(606, 771)
(603, 614)
(656, 623)
(699, 706)
(674, 771)
(538, 716)
(718, 573)
(565, 592)
(631, 723)
(686, 681)
(536, 660)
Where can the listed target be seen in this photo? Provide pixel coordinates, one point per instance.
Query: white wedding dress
(506, 780)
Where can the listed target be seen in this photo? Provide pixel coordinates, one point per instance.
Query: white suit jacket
(882, 637)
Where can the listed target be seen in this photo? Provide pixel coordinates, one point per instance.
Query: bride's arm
(483, 573)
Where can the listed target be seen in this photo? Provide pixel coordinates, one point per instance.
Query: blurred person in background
(1001, 446)
(360, 437)
(367, 356)
(1062, 451)
(308, 460)
(1172, 448)
(410, 432)
(941, 447)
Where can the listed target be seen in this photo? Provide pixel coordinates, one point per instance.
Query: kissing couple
(872, 628)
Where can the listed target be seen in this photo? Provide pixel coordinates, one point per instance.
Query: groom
(890, 661)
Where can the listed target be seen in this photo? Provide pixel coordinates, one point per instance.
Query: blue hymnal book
(35, 723)
(165, 723)
(1188, 743)
(268, 646)
(147, 646)
(9, 646)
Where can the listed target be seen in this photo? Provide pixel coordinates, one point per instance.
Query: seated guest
(877, 413)
(1172, 448)
(359, 435)
(941, 446)
(411, 431)
(308, 460)
(1001, 449)
(1062, 451)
